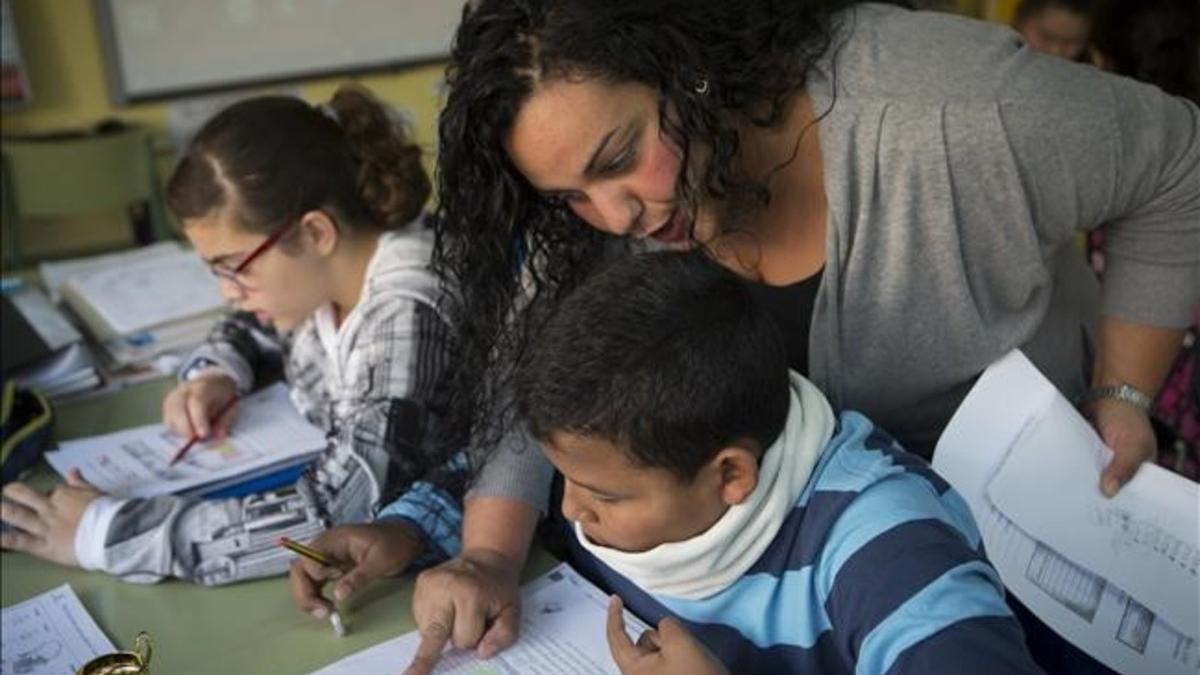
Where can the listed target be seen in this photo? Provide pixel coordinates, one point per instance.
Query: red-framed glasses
(231, 273)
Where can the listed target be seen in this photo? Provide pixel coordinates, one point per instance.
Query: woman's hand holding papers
(360, 554)
(1127, 431)
(189, 409)
(45, 524)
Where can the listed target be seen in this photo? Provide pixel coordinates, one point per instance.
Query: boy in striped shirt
(720, 497)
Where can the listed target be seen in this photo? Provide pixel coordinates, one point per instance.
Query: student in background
(310, 218)
(902, 189)
(1155, 41)
(706, 482)
(1058, 27)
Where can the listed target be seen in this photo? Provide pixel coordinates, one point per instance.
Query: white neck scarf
(709, 562)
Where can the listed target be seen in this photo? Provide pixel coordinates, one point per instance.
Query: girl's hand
(1126, 430)
(46, 523)
(669, 650)
(189, 409)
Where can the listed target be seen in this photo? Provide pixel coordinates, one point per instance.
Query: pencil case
(26, 420)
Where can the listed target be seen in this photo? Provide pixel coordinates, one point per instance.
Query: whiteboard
(163, 48)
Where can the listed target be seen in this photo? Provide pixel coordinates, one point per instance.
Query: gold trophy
(136, 662)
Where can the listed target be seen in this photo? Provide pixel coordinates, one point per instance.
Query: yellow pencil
(308, 552)
(316, 556)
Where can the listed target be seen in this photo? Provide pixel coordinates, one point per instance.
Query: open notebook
(562, 631)
(269, 435)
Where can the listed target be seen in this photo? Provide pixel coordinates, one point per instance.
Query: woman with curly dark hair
(900, 188)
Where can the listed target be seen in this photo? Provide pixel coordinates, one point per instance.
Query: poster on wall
(14, 82)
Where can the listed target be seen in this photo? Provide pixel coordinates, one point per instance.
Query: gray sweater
(958, 167)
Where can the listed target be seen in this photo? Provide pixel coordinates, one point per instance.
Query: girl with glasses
(311, 219)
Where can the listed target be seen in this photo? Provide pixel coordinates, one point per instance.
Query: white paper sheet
(1087, 609)
(562, 633)
(134, 463)
(50, 634)
(1143, 540)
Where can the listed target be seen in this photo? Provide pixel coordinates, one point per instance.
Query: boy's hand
(189, 409)
(46, 523)
(367, 552)
(472, 600)
(669, 650)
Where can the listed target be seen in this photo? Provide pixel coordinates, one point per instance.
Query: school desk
(247, 628)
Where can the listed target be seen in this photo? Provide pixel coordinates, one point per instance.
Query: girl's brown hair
(274, 158)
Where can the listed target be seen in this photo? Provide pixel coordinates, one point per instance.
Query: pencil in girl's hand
(194, 439)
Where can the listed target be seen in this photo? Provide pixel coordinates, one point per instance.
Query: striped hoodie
(878, 568)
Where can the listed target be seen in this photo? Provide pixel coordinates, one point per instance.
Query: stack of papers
(563, 619)
(1119, 578)
(50, 634)
(140, 304)
(70, 371)
(268, 437)
(42, 349)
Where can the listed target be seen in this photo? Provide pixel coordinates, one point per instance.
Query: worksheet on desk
(268, 432)
(1117, 578)
(50, 634)
(562, 633)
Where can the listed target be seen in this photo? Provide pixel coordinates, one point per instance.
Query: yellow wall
(1001, 11)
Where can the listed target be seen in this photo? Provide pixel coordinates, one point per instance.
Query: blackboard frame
(120, 94)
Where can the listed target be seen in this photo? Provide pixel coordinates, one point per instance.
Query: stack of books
(139, 305)
(41, 349)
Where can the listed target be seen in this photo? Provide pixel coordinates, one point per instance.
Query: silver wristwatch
(1121, 392)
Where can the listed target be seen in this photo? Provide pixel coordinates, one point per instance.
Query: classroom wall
(61, 46)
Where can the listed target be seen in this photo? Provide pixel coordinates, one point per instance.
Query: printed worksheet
(268, 433)
(1075, 568)
(562, 633)
(50, 634)
(1143, 539)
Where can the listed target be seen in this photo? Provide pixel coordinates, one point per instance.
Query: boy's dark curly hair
(718, 66)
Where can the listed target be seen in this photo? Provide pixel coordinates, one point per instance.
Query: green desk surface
(245, 628)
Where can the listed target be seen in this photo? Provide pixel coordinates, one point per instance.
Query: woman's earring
(702, 87)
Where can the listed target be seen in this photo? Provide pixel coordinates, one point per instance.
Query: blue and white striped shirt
(878, 568)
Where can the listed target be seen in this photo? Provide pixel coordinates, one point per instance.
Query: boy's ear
(737, 472)
(320, 231)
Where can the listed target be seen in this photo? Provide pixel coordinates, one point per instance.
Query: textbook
(563, 619)
(268, 438)
(1119, 578)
